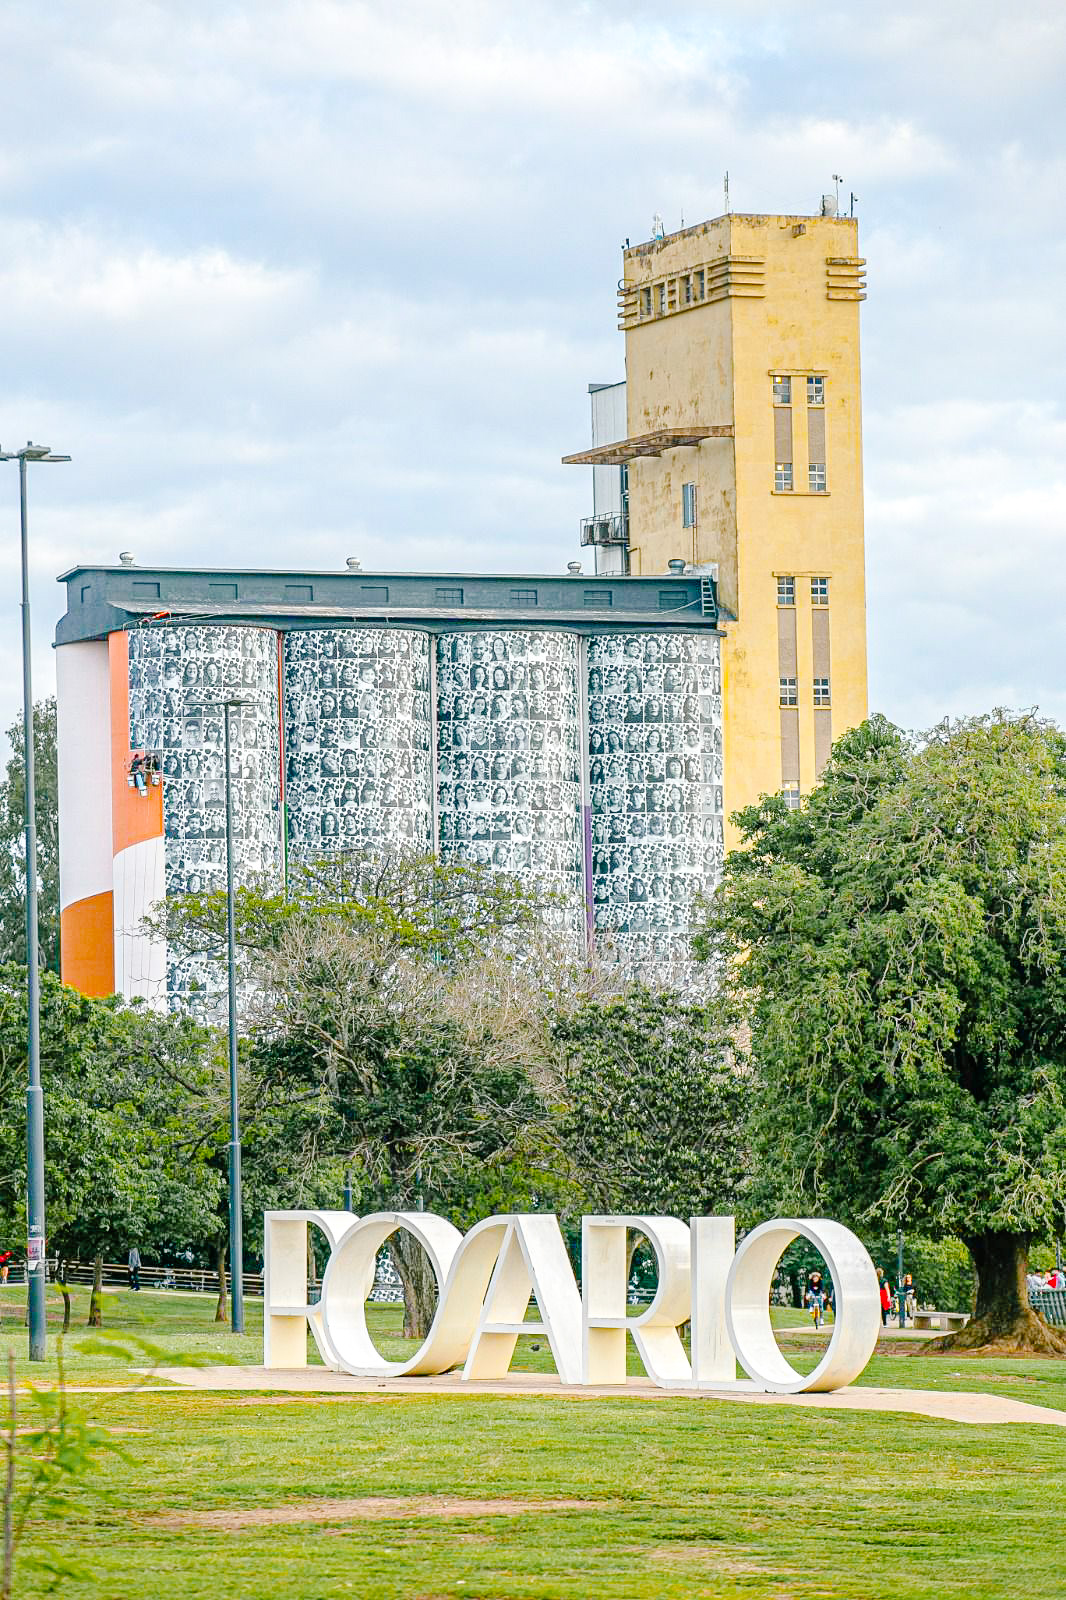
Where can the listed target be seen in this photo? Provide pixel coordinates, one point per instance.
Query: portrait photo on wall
(180, 679)
(508, 761)
(655, 776)
(358, 729)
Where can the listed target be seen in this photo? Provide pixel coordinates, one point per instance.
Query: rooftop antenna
(682, 216)
(727, 194)
(854, 197)
(838, 180)
(657, 229)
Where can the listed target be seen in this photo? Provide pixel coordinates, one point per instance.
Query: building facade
(566, 730)
(741, 456)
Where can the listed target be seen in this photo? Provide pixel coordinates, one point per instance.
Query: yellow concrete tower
(744, 452)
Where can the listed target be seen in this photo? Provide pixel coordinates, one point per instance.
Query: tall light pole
(236, 1242)
(35, 1232)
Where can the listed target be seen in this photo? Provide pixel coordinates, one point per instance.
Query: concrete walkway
(947, 1405)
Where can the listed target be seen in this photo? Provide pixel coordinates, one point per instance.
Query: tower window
(816, 391)
(816, 477)
(786, 591)
(783, 475)
(782, 391)
(791, 792)
(645, 302)
(700, 282)
(686, 290)
(523, 597)
(789, 693)
(662, 299)
(688, 505)
(821, 692)
(819, 591)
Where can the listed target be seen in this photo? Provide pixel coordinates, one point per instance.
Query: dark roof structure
(105, 599)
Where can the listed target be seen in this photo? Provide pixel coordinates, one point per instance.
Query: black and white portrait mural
(368, 711)
(179, 680)
(508, 759)
(655, 786)
(358, 730)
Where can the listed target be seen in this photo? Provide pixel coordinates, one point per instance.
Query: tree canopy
(127, 1159)
(652, 1112)
(897, 949)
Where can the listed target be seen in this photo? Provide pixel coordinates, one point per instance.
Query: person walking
(133, 1263)
(885, 1290)
(910, 1295)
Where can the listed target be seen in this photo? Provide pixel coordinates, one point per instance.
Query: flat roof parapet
(106, 599)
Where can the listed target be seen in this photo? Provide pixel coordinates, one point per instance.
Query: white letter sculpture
(604, 1261)
(286, 1313)
(747, 1306)
(485, 1281)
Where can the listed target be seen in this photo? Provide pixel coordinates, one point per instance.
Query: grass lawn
(689, 1498)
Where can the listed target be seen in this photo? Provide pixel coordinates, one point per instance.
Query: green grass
(692, 1498)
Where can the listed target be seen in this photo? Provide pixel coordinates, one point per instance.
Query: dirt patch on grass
(711, 1555)
(369, 1508)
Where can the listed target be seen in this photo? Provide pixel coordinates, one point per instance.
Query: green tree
(653, 1105)
(13, 840)
(126, 1157)
(898, 950)
(418, 1083)
(392, 1031)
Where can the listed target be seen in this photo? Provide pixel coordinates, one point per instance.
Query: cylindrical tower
(179, 681)
(655, 784)
(508, 759)
(358, 732)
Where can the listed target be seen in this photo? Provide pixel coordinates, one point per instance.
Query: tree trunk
(65, 1292)
(419, 1284)
(634, 1240)
(220, 1260)
(96, 1299)
(1003, 1322)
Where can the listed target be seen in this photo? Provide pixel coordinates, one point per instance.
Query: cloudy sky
(293, 282)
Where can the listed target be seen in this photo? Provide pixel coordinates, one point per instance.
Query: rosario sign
(485, 1280)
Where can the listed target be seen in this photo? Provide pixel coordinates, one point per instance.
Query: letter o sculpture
(747, 1305)
(350, 1272)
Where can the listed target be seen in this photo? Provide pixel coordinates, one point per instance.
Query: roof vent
(573, 567)
(676, 566)
(126, 557)
(354, 564)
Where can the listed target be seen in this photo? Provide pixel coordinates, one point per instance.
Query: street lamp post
(236, 1231)
(35, 1230)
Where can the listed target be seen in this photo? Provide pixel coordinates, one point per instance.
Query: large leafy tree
(397, 1027)
(652, 1116)
(898, 950)
(13, 841)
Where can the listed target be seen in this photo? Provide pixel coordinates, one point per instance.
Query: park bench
(945, 1321)
(1051, 1304)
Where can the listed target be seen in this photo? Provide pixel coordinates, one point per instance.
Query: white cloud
(322, 278)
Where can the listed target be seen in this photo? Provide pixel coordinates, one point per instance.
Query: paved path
(948, 1405)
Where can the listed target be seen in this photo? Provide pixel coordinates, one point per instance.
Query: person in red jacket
(885, 1289)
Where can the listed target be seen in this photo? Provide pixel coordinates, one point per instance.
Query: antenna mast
(727, 194)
